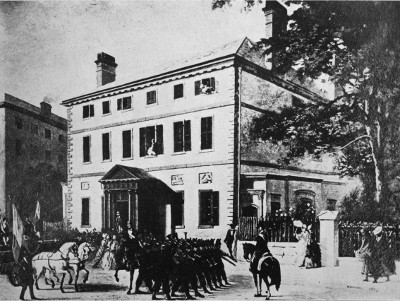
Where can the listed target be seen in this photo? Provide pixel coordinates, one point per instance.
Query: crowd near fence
(350, 237)
(280, 228)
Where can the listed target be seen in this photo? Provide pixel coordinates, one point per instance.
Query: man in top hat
(118, 223)
(230, 238)
(261, 247)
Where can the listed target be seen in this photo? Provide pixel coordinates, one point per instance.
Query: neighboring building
(33, 142)
(183, 129)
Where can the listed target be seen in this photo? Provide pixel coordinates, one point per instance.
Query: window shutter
(160, 139)
(142, 138)
(119, 104)
(187, 137)
(215, 208)
(91, 107)
(197, 90)
(216, 86)
(178, 145)
(212, 83)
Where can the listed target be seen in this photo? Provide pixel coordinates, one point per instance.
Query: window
(151, 136)
(124, 103)
(61, 138)
(48, 155)
(151, 97)
(85, 218)
(33, 152)
(204, 86)
(126, 144)
(88, 111)
(178, 91)
(106, 146)
(206, 133)
(177, 209)
(182, 138)
(331, 205)
(275, 203)
(209, 208)
(35, 129)
(18, 147)
(86, 149)
(47, 133)
(106, 107)
(296, 101)
(18, 123)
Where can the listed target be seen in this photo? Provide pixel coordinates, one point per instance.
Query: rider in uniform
(261, 247)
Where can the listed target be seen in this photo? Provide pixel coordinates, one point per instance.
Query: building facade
(33, 144)
(169, 150)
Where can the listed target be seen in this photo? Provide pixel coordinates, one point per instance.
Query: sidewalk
(343, 282)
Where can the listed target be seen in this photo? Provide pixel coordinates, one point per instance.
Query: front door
(121, 205)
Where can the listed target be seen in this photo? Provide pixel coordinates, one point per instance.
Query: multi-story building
(169, 150)
(33, 143)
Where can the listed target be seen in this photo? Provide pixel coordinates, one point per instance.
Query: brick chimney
(45, 109)
(105, 69)
(275, 22)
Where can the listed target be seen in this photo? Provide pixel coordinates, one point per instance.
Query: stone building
(33, 143)
(169, 150)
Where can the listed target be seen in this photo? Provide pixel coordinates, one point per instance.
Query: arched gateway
(138, 197)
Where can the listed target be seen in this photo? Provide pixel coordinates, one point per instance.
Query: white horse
(78, 262)
(58, 262)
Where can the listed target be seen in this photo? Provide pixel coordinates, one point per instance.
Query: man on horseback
(261, 247)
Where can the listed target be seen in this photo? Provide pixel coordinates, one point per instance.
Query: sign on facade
(85, 186)
(205, 177)
(177, 180)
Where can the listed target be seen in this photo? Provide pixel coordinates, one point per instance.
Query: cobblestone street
(336, 283)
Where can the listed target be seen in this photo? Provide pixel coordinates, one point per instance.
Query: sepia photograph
(199, 150)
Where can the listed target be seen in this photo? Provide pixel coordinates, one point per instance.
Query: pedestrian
(364, 252)
(118, 223)
(101, 250)
(4, 232)
(303, 242)
(230, 238)
(380, 258)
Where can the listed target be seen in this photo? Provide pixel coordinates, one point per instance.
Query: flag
(18, 231)
(37, 211)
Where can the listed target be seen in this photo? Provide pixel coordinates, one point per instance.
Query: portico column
(135, 210)
(168, 219)
(129, 205)
(107, 209)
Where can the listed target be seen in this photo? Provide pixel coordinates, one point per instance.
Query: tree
(357, 44)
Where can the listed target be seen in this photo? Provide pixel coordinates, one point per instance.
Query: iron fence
(350, 237)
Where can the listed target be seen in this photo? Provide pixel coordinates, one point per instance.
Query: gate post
(329, 238)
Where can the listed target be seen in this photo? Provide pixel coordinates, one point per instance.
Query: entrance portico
(139, 198)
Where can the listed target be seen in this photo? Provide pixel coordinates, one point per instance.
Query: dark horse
(126, 259)
(270, 268)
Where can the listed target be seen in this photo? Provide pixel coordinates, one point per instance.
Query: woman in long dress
(105, 260)
(303, 241)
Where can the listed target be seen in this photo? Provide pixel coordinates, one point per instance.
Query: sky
(48, 48)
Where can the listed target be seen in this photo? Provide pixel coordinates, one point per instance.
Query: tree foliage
(357, 44)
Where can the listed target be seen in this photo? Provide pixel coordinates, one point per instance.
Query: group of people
(171, 263)
(308, 253)
(375, 254)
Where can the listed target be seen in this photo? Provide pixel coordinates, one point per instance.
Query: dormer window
(204, 86)
(124, 103)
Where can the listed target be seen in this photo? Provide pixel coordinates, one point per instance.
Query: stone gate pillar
(329, 238)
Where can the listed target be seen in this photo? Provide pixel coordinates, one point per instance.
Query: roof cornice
(150, 81)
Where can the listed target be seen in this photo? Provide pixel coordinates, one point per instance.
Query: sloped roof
(238, 47)
(125, 173)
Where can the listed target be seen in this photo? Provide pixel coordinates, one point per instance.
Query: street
(328, 283)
